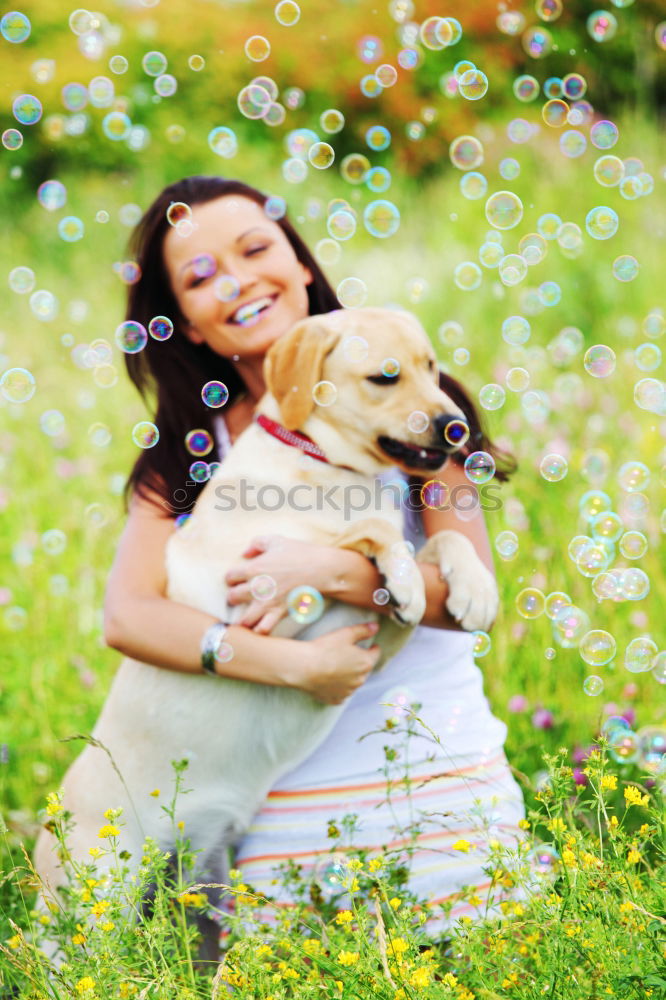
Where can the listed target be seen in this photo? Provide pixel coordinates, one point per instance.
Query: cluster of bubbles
(645, 747)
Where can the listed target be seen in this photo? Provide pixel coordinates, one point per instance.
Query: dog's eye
(382, 379)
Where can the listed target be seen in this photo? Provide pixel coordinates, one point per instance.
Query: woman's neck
(253, 377)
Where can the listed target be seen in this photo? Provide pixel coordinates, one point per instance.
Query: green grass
(56, 669)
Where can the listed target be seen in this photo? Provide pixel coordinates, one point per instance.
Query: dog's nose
(451, 431)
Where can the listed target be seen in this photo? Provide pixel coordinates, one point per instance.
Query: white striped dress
(461, 789)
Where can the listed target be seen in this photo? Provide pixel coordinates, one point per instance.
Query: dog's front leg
(473, 598)
(380, 541)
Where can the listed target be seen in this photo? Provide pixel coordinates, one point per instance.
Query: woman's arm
(141, 622)
(348, 576)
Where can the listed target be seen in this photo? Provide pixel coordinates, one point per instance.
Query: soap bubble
(354, 168)
(305, 604)
(604, 134)
(466, 152)
(27, 109)
(526, 88)
(639, 655)
(659, 667)
(623, 746)
(544, 861)
(12, 139)
(287, 13)
(537, 42)
(509, 168)
(516, 330)
(504, 210)
(482, 644)
(324, 393)
(597, 647)
(257, 48)
(593, 685)
(569, 626)
(263, 587)
(633, 544)
(44, 305)
(553, 468)
(479, 467)
(15, 27)
(490, 254)
(555, 602)
(381, 218)
(214, 394)
(145, 434)
(17, 385)
(492, 396)
(599, 361)
(473, 185)
(625, 268)
(71, 229)
(608, 170)
(601, 25)
(507, 545)
(21, 279)
(254, 101)
(341, 225)
(549, 226)
(517, 379)
(607, 526)
(602, 222)
(473, 84)
(512, 268)
(573, 143)
(52, 195)
(647, 357)
(467, 275)
(131, 337)
(633, 477)
(199, 442)
(223, 142)
(652, 744)
(555, 113)
(378, 137)
(160, 328)
(530, 602)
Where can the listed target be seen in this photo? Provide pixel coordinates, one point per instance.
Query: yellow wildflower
(395, 902)
(53, 804)
(399, 945)
(399, 994)
(291, 974)
(79, 939)
(155, 792)
(264, 949)
(85, 985)
(613, 824)
(609, 781)
(420, 977)
(108, 926)
(626, 907)
(192, 899)
(568, 857)
(524, 824)
(344, 917)
(95, 852)
(449, 979)
(234, 874)
(633, 797)
(557, 825)
(108, 830)
(634, 856)
(112, 814)
(462, 845)
(355, 865)
(340, 985)
(375, 864)
(348, 957)
(181, 825)
(100, 907)
(14, 942)
(645, 829)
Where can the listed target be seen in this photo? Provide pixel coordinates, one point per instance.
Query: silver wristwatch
(211, 641)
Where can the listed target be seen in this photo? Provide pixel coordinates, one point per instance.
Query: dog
(377, 367)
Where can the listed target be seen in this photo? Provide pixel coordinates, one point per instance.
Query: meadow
(580, 402)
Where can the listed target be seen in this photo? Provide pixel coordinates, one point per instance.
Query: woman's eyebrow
(237, 240)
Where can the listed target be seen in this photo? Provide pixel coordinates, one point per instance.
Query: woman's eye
(382, 379)
(254, 250)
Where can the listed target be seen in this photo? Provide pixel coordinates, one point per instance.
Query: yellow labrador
(351, 381)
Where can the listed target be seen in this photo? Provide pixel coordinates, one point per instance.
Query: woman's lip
(254, 319)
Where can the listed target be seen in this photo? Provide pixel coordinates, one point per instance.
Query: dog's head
(380, 403)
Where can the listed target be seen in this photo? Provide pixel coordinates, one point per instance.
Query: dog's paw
(473, 598)
(404, 583)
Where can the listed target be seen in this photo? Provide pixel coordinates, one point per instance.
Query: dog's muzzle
(450, 430)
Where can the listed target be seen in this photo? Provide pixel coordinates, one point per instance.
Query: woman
(271, 281)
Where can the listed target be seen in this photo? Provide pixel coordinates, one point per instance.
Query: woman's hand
(333, 666)
(288, 563)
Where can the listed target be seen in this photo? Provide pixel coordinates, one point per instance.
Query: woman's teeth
(248, 314)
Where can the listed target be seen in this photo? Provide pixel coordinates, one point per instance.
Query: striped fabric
(451, 801)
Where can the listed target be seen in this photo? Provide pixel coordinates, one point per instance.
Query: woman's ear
(307, 273)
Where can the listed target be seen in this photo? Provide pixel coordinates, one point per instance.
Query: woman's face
(234, 239)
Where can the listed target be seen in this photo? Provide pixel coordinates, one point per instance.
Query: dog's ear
(293, 367)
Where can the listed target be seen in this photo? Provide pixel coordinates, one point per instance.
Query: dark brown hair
(170, 374)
